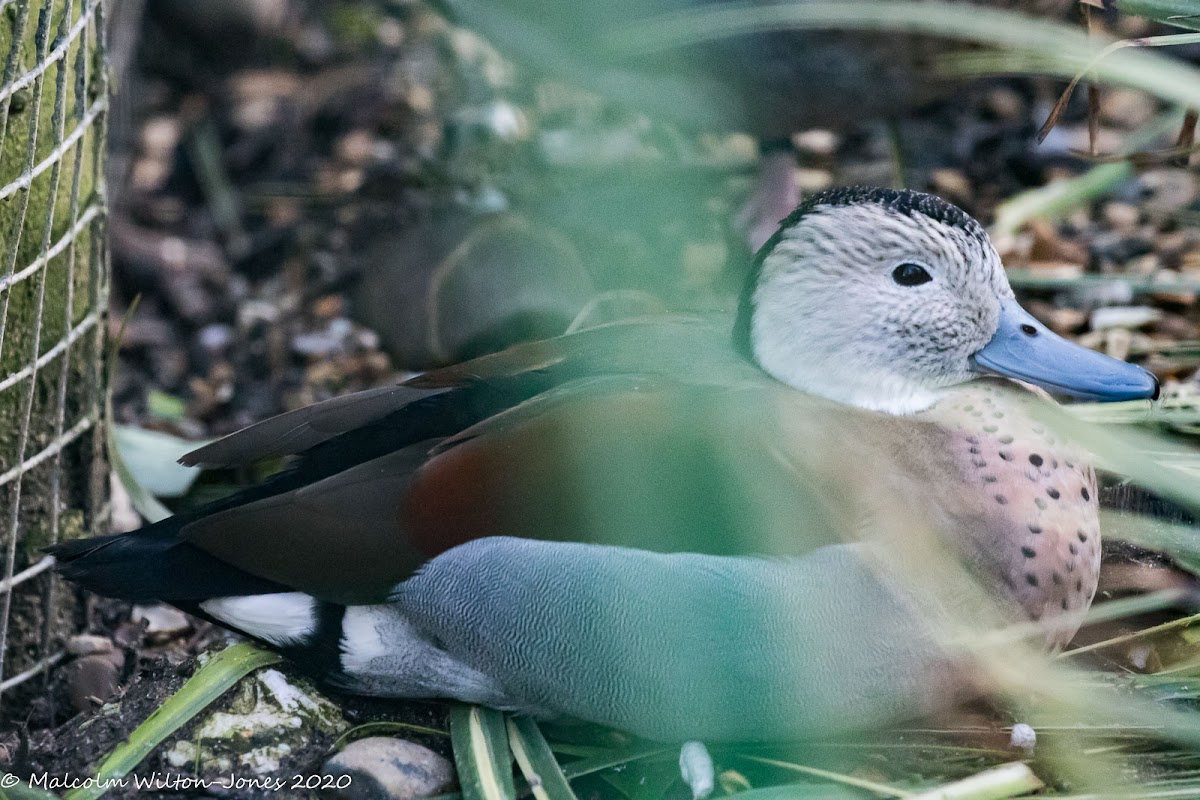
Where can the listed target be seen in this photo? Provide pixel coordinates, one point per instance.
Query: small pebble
(1122, 216)
(1126, 107)
(1169, 188)
(93, 680)
(818, 141)
(86, 645)
(1124, 317)
(383, 768)
(1024, 737)
(952, 183)
(1139, 657)
(812, 180)
(215, 337)
(1005, 103)
(162, 622)
(696, 768)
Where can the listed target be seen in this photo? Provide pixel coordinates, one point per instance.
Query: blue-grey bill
(1025, 349)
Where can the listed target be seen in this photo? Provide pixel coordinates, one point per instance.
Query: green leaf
(161, 405)
(23, 791)
(537, 762)
(481, 753)
(1180, 13)
(152, 459)
(211, 681)
(143, 501)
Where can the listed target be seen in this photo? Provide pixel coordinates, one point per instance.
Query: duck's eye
(911, 275)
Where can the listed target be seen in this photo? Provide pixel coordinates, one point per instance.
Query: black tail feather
(154, 563)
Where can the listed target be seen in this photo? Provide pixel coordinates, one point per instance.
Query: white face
(876, 307)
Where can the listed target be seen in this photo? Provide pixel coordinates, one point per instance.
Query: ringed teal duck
(642, 526)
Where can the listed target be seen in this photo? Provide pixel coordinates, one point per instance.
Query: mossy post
(53, 290)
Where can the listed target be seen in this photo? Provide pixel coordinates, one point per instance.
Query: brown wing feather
(659, 465)
(296, 431)
(689, 346)
(627, 460)
(338, 538)
(672, 344)
(685, 448)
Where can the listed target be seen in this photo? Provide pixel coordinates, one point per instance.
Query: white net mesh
(53, 290)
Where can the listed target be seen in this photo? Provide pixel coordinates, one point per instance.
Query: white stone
(381, 766)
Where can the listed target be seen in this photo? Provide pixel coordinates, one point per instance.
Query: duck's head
(882, 299)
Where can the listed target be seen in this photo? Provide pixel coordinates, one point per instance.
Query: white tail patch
(283, 619)
(362, 641)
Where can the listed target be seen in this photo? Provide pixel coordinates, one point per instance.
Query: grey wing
(681, 646)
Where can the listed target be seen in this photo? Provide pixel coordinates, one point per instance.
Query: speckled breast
(1040, 534)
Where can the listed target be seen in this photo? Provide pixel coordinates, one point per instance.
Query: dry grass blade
(1186, 140)
(1093, 100)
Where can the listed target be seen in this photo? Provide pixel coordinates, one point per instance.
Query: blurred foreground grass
(1101, 733)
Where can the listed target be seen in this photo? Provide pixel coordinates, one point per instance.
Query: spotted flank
(1037, 494)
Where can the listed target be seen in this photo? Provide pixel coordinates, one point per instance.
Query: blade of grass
(1186, 140)
(1179, 541)
(1132, 453)
(481, 753)
(211, 681)
(537, 762)
(1037, 279)
(836, 777)
(1062, 49)
(1059, 198)
(151, 458)
(800, 791)
(1101, 612)
(998, 783)
(1171, 40)
(144, 503)
(382, 728)
(1180, 13)
(22, 790)
(1171, 411)
(1175, 624)
(588, 766)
